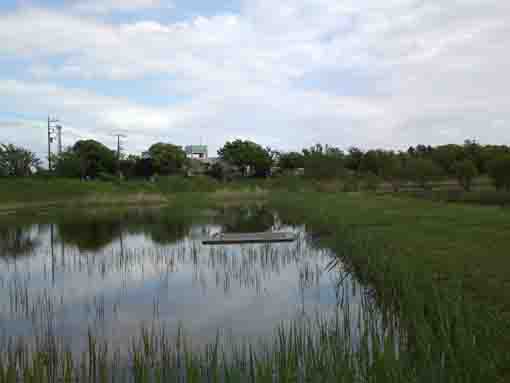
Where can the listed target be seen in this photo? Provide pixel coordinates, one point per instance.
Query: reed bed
(404, 329)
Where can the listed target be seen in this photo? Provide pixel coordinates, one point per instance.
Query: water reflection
(113, 274)
(247, 219)
(17, 241)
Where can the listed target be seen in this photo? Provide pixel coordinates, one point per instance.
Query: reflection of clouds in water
(245, 289)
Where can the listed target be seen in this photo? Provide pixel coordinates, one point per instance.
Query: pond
(113, 273)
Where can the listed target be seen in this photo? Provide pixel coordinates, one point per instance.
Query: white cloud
(392, 73)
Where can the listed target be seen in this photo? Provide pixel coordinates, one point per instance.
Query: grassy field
(412, 248)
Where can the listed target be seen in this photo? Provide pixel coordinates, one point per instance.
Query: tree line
(420, 164)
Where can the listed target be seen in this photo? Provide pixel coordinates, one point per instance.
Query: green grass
(414, 251)
(28, 190)
(441, 269)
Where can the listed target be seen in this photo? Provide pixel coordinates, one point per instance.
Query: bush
(465, 171)
(180, 184)
(371, 181)
(499, 171)
(351, 184)
(107, 177)
(422, 171)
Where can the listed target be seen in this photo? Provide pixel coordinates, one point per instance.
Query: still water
(114, 273)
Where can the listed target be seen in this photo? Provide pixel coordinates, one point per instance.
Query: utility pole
(51, 131)
(59, 139)
(119, 148)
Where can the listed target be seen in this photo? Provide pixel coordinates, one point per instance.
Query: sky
(287, 74)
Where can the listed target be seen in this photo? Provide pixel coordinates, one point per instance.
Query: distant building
(197, 152)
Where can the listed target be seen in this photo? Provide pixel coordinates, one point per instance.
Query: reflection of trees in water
(90, 236)
(247, 219)
(95, 232)
(163, 228)
(17, 241)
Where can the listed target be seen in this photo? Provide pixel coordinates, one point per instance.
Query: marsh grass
(406, 331)
(414, 326)
(333, 348)
(450, 336)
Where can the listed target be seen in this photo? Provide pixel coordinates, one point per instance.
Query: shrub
(371, 181)
(465, 171)
(499, 171)
(422, 171)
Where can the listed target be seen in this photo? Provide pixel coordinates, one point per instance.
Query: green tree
(323, 162)
(16, 161)
(92, 157)
(166, 158)
(248, 156)
(499, 171)
(392, 171)
(446, 156)
(68, 164)
(128, 166)
(422, 171)
(353, 159)
(473, 150)
(291, 161)
(465, 171)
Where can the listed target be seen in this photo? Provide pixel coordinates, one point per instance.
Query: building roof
(196, 149)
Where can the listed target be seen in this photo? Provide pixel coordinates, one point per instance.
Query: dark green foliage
(499, 171)
(251, 158)
(127, 166)
(446, 156)
(291, 161)
(17, 162)
(422, 171)
(166, 158)
(179, 184)
(323, 162)
(68, 164)
(465, 171)
(93, 158)
(353, 159)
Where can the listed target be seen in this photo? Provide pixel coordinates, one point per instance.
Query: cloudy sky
(286, 73)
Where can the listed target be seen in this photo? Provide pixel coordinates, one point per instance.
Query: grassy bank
(440, 264)
(32, 193)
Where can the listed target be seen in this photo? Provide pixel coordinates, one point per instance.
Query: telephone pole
(51, 131)
(59, 139)
(119, 148)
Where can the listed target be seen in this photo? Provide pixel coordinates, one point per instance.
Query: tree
(166, 158)
(17, 162)
(87, 158)
(473, 151)
(4, 168)
(422, 171)
(446, 156)
(499, 171)
(323, 162)
(68, 164)
(465, 171)
(291, 161)
(247, 156)
(392, 170)
(144, 168)
(127, 166)
(353, 159)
